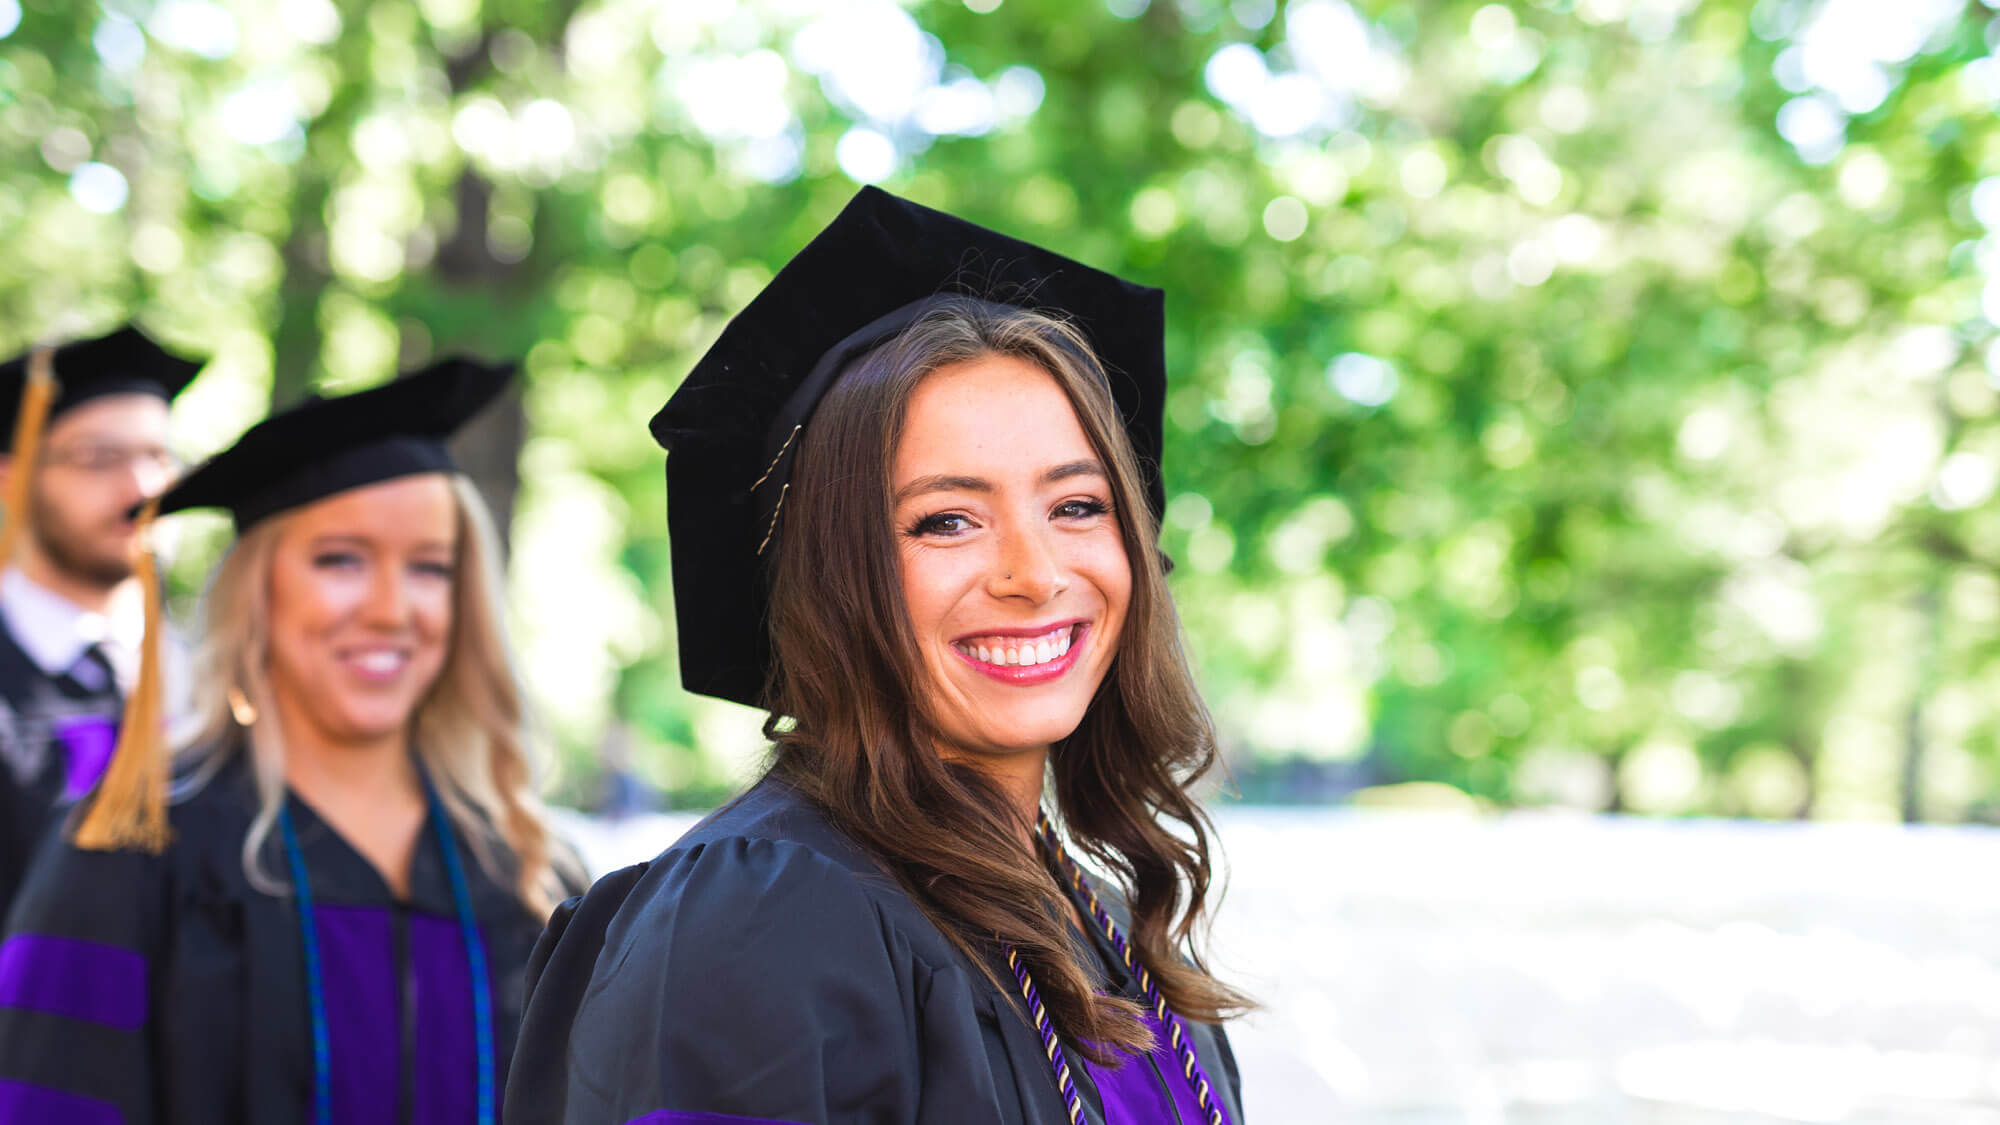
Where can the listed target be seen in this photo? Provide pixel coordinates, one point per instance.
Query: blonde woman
(330, 921)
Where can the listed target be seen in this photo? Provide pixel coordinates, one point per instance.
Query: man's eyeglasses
(109, 459)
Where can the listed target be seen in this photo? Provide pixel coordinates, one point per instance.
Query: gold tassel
(37, 394)
(129, 809)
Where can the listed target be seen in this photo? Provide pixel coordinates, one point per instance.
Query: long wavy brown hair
(848, 700)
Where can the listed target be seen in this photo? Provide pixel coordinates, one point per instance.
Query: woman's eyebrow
(944, 482)
(938, 482)
(350, 539)
(1088, 467)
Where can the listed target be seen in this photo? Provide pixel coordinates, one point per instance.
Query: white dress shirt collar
(55, 631)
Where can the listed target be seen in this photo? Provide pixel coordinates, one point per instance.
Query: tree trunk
(1799, 737)
(1930, 620)
(489, 450)
(1614, 764)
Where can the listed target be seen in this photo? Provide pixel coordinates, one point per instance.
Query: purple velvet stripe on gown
(447, 1079)
(84, 980)
(26, 1102)
(1131, 1093)
(364, 1026)
(689, 1117)
(87, 741)
(358, 958)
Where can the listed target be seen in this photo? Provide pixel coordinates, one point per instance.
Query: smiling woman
(1014, 566)
(917, 523)
(328, 922)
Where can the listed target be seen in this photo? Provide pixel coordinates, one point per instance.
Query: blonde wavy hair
(470, 729)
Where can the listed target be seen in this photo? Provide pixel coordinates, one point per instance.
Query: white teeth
(380, 662)
(1021, 654)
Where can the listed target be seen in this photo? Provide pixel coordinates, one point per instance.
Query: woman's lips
(1024, 660)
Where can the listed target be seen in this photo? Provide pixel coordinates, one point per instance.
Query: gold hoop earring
(241, 707)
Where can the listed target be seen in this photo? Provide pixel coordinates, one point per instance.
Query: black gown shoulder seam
(875, 886)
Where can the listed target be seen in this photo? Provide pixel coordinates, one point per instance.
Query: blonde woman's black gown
(164, 989)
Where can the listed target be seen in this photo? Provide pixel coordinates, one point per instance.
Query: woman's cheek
(435, 629)
(929, 577)
(428, 595)
(1103, 559)
(330, 597)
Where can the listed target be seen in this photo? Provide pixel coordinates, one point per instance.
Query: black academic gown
(765, 968)
(56, 735)
(166, 990)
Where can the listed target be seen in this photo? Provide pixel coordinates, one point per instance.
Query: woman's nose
(388, 602)
(1028, 567)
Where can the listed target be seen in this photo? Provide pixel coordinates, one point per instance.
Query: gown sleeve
(737, 982)
(77, 964)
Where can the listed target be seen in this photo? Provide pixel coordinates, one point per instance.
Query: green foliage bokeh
(1547, 422)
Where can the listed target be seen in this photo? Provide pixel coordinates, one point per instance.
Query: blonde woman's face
(361, 608)
(1013, 564)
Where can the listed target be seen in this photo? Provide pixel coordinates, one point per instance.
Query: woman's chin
(369, 727)
(1025, 735)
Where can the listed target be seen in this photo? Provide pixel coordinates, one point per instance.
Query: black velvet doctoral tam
(328, 445)
(730, 429)
(125, 361)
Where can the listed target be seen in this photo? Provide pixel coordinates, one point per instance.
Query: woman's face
(1014, 568)
(361, 606)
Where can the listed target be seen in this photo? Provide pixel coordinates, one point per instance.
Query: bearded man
(88, 426)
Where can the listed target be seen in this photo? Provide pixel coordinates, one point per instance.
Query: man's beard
(69, 551)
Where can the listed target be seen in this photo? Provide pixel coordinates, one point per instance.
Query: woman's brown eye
(1081, 509)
